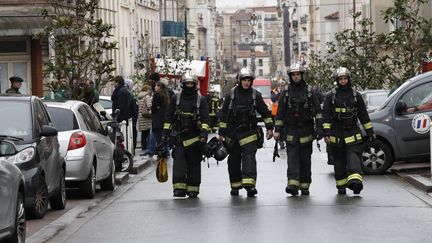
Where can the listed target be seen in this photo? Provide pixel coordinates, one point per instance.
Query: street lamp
(253, 22)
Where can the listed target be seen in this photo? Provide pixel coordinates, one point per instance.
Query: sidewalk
(81, 208)
(417, 174)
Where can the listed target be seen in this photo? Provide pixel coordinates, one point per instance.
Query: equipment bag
(162, 170)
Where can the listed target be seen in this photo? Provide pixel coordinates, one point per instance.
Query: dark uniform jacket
(121, 99)
(12, 91)
(299, 110)
(240, 120)
(343, 107)
(184, 120)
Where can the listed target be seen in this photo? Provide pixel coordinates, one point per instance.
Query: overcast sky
(226, 5)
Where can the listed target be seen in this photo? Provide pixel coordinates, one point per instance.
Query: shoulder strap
(232, 98)
(354, 94)
(178, 96)
(333, 91)
(198, 102)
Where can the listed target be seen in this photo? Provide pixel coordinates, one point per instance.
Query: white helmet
(245, 73)
(189, 77)
(295, 68)
(341, 71)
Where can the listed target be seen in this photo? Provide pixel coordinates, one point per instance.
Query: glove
(372, 136)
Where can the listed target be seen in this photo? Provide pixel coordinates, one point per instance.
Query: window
(244, 62)
(260, 72)
(260, 62)
(419, 98)
(63, 119)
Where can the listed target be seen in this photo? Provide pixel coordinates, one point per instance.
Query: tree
(409, 44)
(143, 58)
(80, 41)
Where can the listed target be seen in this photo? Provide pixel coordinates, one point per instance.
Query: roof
(62, 103)
(16, 97)
(247, 54)
(333, 16)
(271, 9)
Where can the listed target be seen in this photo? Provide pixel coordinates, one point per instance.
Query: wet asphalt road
(386, 211)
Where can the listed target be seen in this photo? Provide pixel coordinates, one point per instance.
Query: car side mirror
(48, 131)
(7, 149)
(400, 107)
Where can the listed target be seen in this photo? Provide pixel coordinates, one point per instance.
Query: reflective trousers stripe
(192, 188)
(292, 182)
(248, 139)
(318, 116)
(342, 182)
(268, 120)
(326, 125)
(205, 126)
(306, 139)
(355, 176)
(304, 185)
(182, 186)
(278, 123)
(222, 125)
(248, 181)
(236, 184)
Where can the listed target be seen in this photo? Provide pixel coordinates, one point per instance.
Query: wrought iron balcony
(173, 29)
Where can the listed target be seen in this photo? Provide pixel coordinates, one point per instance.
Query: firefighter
(241, 134)
(299, 112)
(343, 107)
(186, 125)
(213, 103)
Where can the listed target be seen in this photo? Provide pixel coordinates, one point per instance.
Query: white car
(85, 145)
(106, 103)
(374, 98)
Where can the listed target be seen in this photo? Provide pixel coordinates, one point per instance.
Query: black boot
(234, 192)
(251, 191)
(305, 192)
(356, 186)
(179, 193)
(293, 190)
(341, 191)
(193, 194)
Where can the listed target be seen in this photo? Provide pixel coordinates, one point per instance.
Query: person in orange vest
(275, 94)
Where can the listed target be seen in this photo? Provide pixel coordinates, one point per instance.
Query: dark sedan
(26, 122)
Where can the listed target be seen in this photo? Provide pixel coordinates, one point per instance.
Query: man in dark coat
(121, 98)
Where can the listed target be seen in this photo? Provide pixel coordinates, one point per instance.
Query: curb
(139, 166)
(121, 178)
(420, 182)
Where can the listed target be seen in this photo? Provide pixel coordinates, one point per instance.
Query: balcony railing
(173, 29)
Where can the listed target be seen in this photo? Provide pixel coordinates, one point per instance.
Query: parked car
(27, 123)
(12, 196)
(402, 126)
(85, 145)
(374, 98)
(106, 103)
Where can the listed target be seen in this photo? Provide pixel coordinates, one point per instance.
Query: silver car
(12, 196)
(373, 98)
(85, 145)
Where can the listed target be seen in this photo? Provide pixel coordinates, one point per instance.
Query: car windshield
(63, 119)
(393, 94)
(264, 90)
(18, 122)
(106, 104)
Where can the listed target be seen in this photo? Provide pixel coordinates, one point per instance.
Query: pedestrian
(343, 107)
(121, 99)
(144, 115)
(90, 95)
(134, 110)
(160, 101)
(299, 112)
(16, 83)
(186, 122)
(239, 131)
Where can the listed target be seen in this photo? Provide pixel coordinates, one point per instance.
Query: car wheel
(58, 201)
(40, 205)
(88, 187)
(376, 157)
(127, 163)
(19, 233)
(108, 183)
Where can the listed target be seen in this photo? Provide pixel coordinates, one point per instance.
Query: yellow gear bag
(162, 170)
